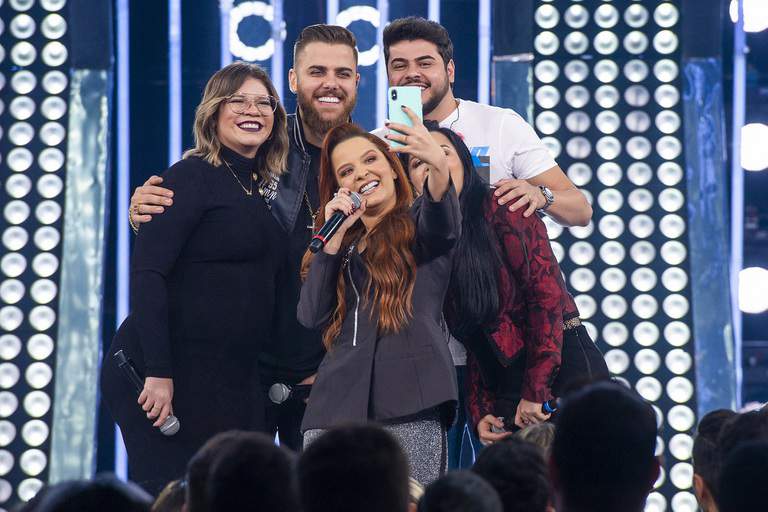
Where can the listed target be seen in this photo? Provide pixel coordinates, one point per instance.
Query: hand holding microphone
(341, 213)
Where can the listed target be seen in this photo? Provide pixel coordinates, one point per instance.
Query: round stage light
(581, 253)
(547, 97)
(658, 451)
(8, 403)
(576, 16)
(48, 212)
(612, 253)
(608, 148)
(609, 174)
(553, 228)
(547, 122)
(607, 121)
(9, 375)
(617, 361)
(636, 70)
(671, 199)
(613, 279)
(753, 281)
(582, 232)
(684, 502)
(637, 121)
(669, 147)
(576, 71)
(12, 291)
(673, 252)
(576, 43)
(47, 238)
(10, 346)
(546, 71)
(21, 133)
(606, 70)
(607, 96)
(48, 186)
(19, 159)
(646, 334)
(23, 82)
(647, 361)
(578, 148)
(22, 26)
(644, 279)
(546, 43)
(38, 375)
(552, 145)
(681, 446)
(672, 225)
(577, 96)
(53, 5)
(678, 361)
(51, 159)
(546, 16)
(54, 26)
(29, 488)
(606, 16)
(681, 476)
(606, 42)
(558, 251)
(755, 14)
(42, 318)
(637, 96)
(53, 108)
(18, 186)
(754, 156)
(586, 305)
(666, 15)
(37, 403)
(13, 264)
(667, 121)
(649, 388)
(670, 173)
(674, 279)
(35, 432)
(16, 212)
(22, 108)
(15, 238)
(655, 503)
(615, 334)
(45, 264)
(641, 200)
(40, 346)
(635, 42)
(6, 462)
(54, 82)
(667, 96)
(679, 389)
(7, 433)
(610, 200)
(645, 306)
(43, 291)
(636, 15)
(580, 174)
(665, 70)
(52, 133)
(614, 306)
(33, 462)
(582, 280)
(665, 42)
(611, 226)
(677, 333)
(23, 54)
(577, 122)
(639, 147)
(675, 306)
(642, 252)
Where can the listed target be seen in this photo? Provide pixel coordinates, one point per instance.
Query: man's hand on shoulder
(147, 200)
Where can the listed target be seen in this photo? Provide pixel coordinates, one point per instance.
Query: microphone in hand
(332, 225)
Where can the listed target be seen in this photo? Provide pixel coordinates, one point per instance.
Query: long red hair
(388, 258)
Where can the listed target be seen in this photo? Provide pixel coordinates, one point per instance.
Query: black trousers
(285, 420)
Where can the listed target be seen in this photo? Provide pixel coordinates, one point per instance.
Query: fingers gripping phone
(397, 97)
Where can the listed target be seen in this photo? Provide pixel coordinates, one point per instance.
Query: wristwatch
(548, 196)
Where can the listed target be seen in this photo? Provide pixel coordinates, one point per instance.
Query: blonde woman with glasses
(202, 283)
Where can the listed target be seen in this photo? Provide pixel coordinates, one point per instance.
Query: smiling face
(418, 63)
(418, 170)
(245, 132)
(325, 79)
(360, 166)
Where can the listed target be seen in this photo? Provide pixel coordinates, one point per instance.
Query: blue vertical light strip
(224, 7)
(484, 52)
(123, 194)
(737, 188)
(277, 74)
(331, 11)
(174, 81)
(381, 67)
(433, 10)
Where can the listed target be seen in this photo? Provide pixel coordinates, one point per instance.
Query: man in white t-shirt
(505, 148)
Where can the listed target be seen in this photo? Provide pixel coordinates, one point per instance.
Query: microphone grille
(356, 199)
(170, 426)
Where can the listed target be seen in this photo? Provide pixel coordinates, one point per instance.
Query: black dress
(202, 300)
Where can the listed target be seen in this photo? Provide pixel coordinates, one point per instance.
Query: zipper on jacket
(357, 304)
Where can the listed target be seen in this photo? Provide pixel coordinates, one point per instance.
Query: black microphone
(332, 225)
(171, 425)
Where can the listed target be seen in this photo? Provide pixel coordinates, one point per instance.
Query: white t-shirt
(503, 144)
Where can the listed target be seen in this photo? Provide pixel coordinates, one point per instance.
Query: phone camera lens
(394, 95)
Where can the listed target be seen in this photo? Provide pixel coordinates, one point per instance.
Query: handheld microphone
(550, 406)
(279, 392)
(171, 425)
(332, 225)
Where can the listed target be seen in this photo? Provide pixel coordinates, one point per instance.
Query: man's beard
(314, 119)
(437, 97)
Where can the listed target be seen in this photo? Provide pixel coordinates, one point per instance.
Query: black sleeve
(438, 224)
(318, 293)
(157, 248)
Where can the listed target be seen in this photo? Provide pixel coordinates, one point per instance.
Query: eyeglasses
(242, 103)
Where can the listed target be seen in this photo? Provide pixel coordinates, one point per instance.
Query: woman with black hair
(508, 304)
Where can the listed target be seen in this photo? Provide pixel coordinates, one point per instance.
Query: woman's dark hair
(473, 292)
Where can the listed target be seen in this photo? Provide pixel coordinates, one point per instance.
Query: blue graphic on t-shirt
(481, 158)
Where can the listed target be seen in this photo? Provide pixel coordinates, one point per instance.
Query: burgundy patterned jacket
(534, 302)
